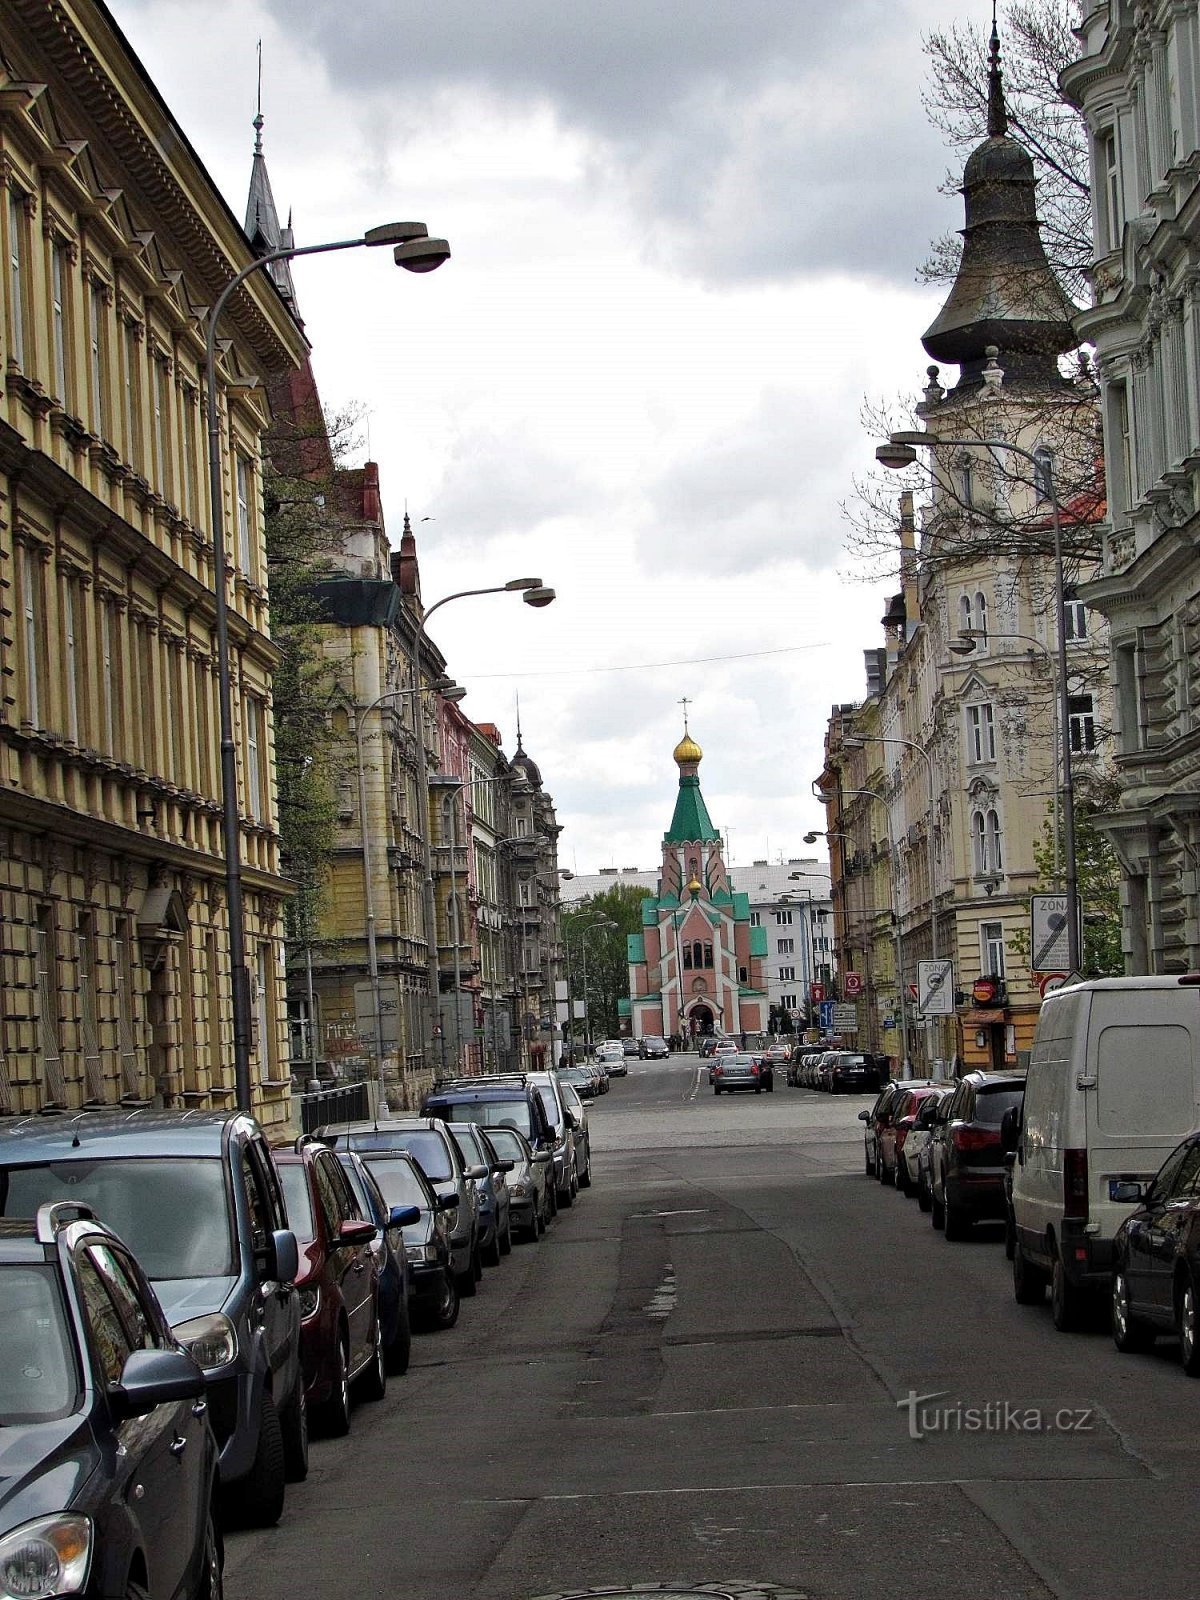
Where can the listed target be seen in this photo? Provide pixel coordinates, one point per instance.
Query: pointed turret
(262, 220)
(691, 823)
(1005, 293)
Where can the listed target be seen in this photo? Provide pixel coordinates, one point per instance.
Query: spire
(1005, 294)
(517, 699)
(691, 823)
(997, 112)
(262, 219)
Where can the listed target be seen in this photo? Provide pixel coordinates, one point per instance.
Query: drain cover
(736, 1590)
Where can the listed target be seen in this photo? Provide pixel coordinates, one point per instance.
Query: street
(700, 1375)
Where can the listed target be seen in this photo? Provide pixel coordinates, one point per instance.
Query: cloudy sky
(684, 238)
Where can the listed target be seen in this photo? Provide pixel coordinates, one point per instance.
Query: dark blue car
(393, 1258)
(109, 1465)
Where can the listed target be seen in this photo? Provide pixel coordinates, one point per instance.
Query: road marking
(780, 1488)
(695, 1089)
(699, 1211)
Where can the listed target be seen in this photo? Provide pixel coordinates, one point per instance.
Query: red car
(341, 1338)
(908, 1104)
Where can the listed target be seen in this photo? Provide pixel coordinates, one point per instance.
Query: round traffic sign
(1051, 981)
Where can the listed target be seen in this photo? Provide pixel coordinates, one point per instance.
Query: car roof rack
(56, 1214)
(469, 1080)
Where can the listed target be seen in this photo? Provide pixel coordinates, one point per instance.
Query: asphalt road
(700, 1375)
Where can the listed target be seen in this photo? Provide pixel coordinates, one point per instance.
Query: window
(245, 486)
(96, 354)
(1081, 722)
(159, 398)
(787, 974)
(1119, 440)
(45, 956)
(966, 480)
(107, 669)
(525, 892)
(988, 843)
(708, 955)
(1111, 220)
(788, 1002)
(785, 947)
(687, 957)
(89, 1033)
(783, 919)
(129, 379)
(1075, 617)
(256, 1203)
(16, 277)
(58, 290)
(254, 783)
(755, 920)
(995, 853)
(109, 1340)
(122, 1290)
(698, 954)
(130, 1075)
(191, 465)
(71, 659)
(991, 949)
(981, 617)
(965, 620)
(981, 731)
(31, 607)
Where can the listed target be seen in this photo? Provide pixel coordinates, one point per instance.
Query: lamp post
(416, 252)
(534, 593)
(965, 645)
(901, 451)
(451, 691)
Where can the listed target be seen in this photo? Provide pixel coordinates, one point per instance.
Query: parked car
(391, 1258)
(612, 1059)
(1113, 1086)
(1156, 1258)
(802, 1055)
(497, 1099)
(852, 1072)
(629, 1047)
(878, 1119)
(433, 1286)
(428, 1139)
(738, 1070)
(566, 1177)
(529, 1182)
(581, 1079)
(653, 1048)
(966, 1160)
(495, 1221)
(341, 1332)
(110, 1465)
(911, 1132)
(196, 1197)
(583, 1139)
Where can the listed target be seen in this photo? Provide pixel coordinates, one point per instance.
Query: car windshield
(297, 1198)
(507, 1144)
(430, 1150)
(37, 1376)
(361, 1188)
(399, 1183)
(991, 1104)
(488, 1113)
(467, 1141)
(172, 1212)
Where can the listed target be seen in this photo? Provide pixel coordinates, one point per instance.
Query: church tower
(697, 965)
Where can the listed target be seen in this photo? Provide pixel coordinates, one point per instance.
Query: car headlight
(421, 1252)
(520, 1190)
(310, 1300)
(44, 1558)
(212, 1339)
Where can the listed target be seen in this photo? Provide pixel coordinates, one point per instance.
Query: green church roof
(691, 822)
(635, 950)
(758, 942)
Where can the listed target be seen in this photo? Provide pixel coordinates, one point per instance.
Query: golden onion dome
(687, 750)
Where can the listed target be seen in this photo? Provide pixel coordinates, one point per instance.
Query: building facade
(1138, 84)
(114, 954)
(697, 965)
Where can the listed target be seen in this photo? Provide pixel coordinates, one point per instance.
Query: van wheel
(1029, 1282)
(1067, 1303)
(1130, 1335)
(924, 1198)
(1189, 1329)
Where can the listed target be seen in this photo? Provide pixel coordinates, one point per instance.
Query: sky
(684, 241)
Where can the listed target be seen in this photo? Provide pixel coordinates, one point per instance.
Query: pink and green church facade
(697, 965)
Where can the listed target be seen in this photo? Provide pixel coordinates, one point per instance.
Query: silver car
(738, 1070)
(566, 1173)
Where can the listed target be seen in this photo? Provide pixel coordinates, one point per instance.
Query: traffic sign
(845, 1019)
(816, 993)
(1051, 981)
(935, 988)
(826, 1016)
(1049, 934)
(852, 984)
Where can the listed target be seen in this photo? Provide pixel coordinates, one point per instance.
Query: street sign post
(1049, 934)
(845, 1019)
(816, 993)
(826, 1016)
(852, 984)
(935, 988)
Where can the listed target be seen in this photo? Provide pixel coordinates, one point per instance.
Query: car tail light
(753, 1070)
(968, 1138)
(717, 1071)
(1075, 1183)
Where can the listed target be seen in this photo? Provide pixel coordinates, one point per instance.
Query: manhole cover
(676, 1591)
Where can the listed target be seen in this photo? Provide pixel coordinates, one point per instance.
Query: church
(697, 965)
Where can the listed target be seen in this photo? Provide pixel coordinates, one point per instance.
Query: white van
(1113, 1086)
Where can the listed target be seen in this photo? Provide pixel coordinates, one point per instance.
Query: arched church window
(687, 957)
(697, 953)
(708, 955)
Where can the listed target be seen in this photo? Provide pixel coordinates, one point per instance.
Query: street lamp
(534, 593)
(449, 691)
(900, 451)
(416, 252)
(861, 925)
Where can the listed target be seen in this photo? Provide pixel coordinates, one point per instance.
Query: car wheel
(565, 1198)
(212, 1583)
(585, 1177)
(1029, 1282)
(716, 1088)
(294, 1423)
(445, 1312)
(880, 1169)
(1010, 1235)
(335, 1413)
(468, 1283)
(491, 1255)
(770, 1085)
(551, 1202)
(134, 1590)
(372, 1384)
(506, 1238)
(1067, 1303)
(869, 1160)
(399, 1352)
(257, 1499)
(956, 1225)
(1189, 1329)
(924, 1198)
(937, 1210)
(1130, 1335)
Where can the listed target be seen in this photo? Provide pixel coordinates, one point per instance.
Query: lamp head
(811, 838)
(538, 597)
(421, 255)
(454, 693)
(895, 456)
(396, 233)
(514, 584)
(962, 647)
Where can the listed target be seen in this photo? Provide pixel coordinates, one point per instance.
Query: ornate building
(697, 965)
(1138, 84)
(114, 966)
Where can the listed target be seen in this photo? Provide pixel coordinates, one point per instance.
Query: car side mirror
(541, 1157)
(864, 1116)
(504, 1166)
(403, 1216)
(447, 1202)
(574, 1122)
(152, 1378)
(354, 1232)
(475, 1172)
(280, 1261)
(1129, 1192)
(1010, 1129)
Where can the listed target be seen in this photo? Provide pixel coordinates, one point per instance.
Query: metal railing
(345, 1102)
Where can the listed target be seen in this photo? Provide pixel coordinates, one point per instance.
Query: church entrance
(700, 1020)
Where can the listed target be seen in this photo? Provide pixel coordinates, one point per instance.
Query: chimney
(372, 508)
(406, 572)
(908, 563)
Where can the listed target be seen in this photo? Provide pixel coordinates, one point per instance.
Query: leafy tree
(1099, 876)
(607, 951)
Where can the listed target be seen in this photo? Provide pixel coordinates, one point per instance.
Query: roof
(107, 1134)
(691, 822)
(758, 942)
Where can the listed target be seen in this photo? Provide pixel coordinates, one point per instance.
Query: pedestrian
(742, 1036)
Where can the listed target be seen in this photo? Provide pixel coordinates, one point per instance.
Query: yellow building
(114, 973)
